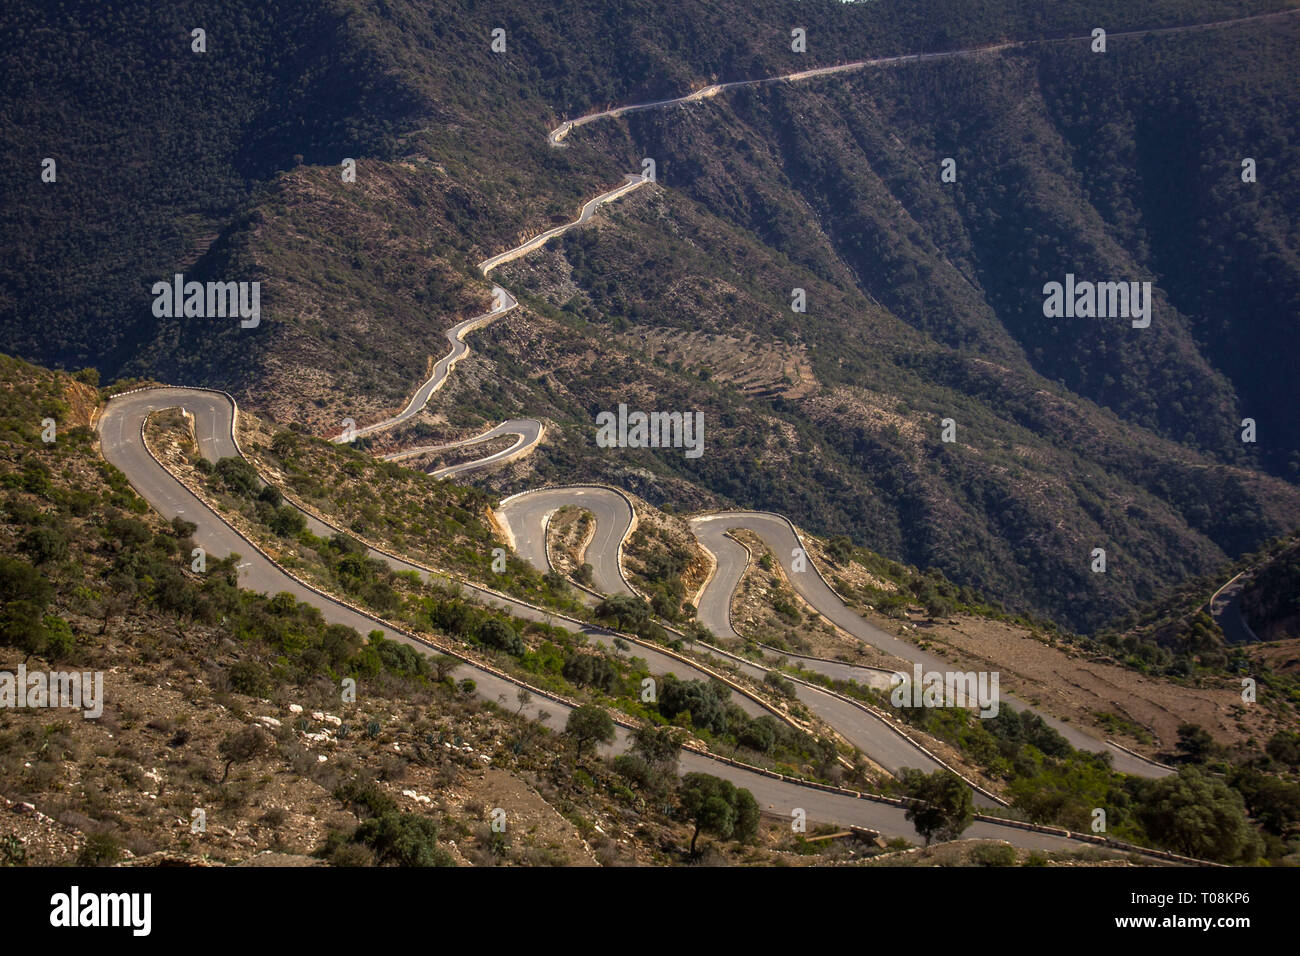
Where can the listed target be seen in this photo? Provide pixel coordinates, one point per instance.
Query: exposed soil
(570, 532)
(1141, 712)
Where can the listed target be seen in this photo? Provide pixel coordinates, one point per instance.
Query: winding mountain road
(527, 431)
(532, 431)
(557, 136)
(779, 535)
(525, 518)
(121, 434)
(441, 369)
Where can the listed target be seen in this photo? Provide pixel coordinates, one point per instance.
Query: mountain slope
(925, 297)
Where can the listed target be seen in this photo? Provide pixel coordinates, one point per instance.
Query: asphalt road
(1225, 608)
(456, 338)
(119, 430)
(528, 431)
(525, 517)
(556, 136)
(589, 208)
(777, 533)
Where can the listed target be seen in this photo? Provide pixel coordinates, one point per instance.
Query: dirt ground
(675, 531)
(570, 532)
(1282, 656)
(753, 366)
(1074, 686)
(1140, 712)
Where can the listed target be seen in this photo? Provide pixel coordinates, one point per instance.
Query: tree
(939, 804)
(238, 476)
(24, 595)
(652, 764)
(779, 683)
(284, 445)
(591, 670)
(701, 700)
(495, 632)
(1273, 803)
(443, 665)
(360, 795)
(522, 696)
(1195, 743)
(287, 521)
(760, 734)
(589, 723)
(938, 606)
(658, 746)
(840, 549)
(182, 528)
(1199, 816)
(58, 638)
(19, 581)
(241, 746)
(101, 849)
(44, 544)
(22, 625)
(1284, 747)
(719, 807)
(626, 611)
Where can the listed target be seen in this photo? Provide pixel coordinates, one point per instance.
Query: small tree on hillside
(658, 746)
(589, 723)
(626, 611)
(719, 807)
(242, 746)
(495, 632)
(939, 804)
(1198, 815)
(443, 665)
(1195, 743)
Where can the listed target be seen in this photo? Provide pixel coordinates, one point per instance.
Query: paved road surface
(456, 337)
(777, 533)
(556, 136)
(525, 516)
(528, 431)
(122, 445)
(531, 431)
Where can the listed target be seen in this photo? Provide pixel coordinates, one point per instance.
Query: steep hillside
(925, 297)
(221, 736)
(1035, 480)
(1270, 601)
(155, 146)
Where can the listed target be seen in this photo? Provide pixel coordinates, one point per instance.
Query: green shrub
(994, 854)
